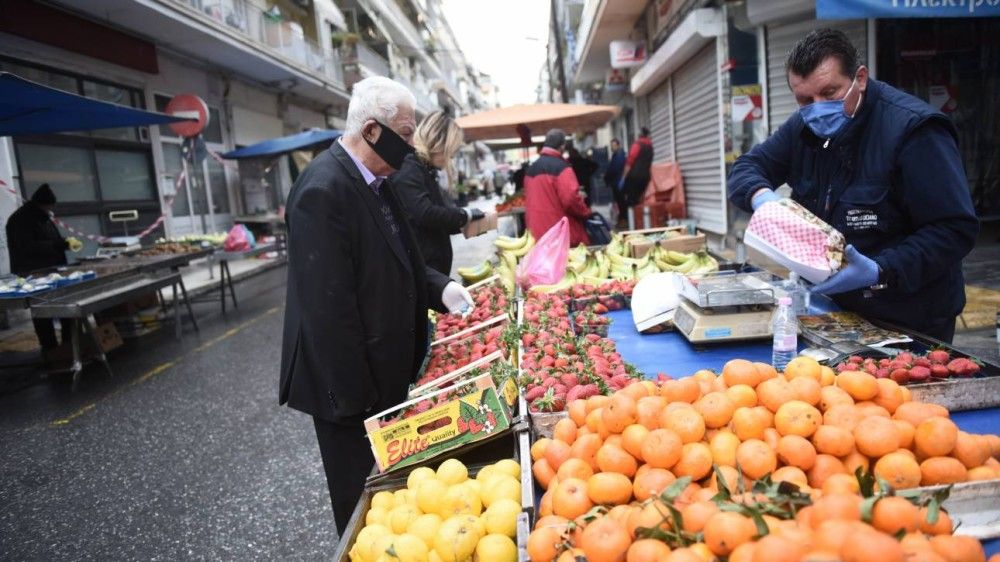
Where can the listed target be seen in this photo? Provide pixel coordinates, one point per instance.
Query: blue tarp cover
(28, 108)
(275, 147)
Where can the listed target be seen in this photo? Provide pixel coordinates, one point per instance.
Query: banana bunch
(568, 280)
(578, 254)
(507, 272)
(517, 246)
(476, 273)
(679, 262)
(616, 246)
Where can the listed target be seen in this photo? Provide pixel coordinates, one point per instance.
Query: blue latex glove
(763, 196)
(860, 272)
(621, 183)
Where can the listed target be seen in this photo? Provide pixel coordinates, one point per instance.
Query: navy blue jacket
(893, 183)
(616, 166)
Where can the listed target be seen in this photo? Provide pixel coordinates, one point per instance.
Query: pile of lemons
(445, 516)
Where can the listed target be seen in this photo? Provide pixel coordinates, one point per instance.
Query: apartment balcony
(232, 34)
(601, 22)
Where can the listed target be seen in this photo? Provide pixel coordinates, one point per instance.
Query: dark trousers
(347, 460)
(45, 330)
(943, 330)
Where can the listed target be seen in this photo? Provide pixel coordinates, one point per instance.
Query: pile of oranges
(609, 466)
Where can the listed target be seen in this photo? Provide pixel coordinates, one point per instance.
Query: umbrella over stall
(313, 138)
(28, 108)
(526, 119)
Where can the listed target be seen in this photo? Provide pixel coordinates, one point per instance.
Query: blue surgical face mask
(827, 118)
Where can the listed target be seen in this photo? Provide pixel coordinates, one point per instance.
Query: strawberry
(940, 371)
(621, 380)
(939, 356)
(569, 380)
(901, 376)
(920, 374)
(535, 393)
(882, 372)
(922, 362)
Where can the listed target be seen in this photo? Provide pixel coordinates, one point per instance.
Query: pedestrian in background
(583, 169)
(433, 216)
(551, 192)
(635, 176)
(356, 325)
(612, 176)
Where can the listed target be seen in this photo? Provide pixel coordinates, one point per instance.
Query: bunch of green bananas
(475, 273)
(568, 280)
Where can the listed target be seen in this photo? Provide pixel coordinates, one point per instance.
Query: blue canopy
(29, 108)
(278, 146)
(852, 9)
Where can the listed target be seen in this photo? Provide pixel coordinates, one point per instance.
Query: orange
(726, 530)
(577, 410)
(837, 506)
(715, 408)
(545, 504)
(572, 555)
(755, 458)
(743, 553)
(594, 420)
(636, 390)
(853, 460)
(730, 477)
(543, 544)
(683, 555)
(894, 514)
(841, 483)
(771, 437)
(827, 376)
(795, 450)
(970, 450)
(723, 446)
(916, 412)
(681, 390)
(830, 535)
(695, 461)
(647, 411)
(556, 453)
(833, 440)
(889, 396)
(942, 470)
(871, 546)
(685, 422)
(742, 395)
(605, 540)
(843, 415)
(899, 469)
(619, 413)
(869, 408)
(632, 439)
(876, 436)
(981, 473)
(803, 366)
(797, 418)
(611, 458)
(942, 526)
(808, 390)
(647, 550)
(565, 431)
(830, 396)
(661, 448)
(750, 423)
(651, 483)
(696, 514)
(774, 392)
(542, 472)
(777, 548)
(765, 371)
(791, 474)
(538, 448)
(935, 437)
(824, 466)
(860, 385)
(585, 448)
(740, 371)
(570, 498)
(609, 488)
(906, 433)
(958, 548)
(597, 401)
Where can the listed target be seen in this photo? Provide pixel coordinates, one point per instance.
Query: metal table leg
(222, 284)
(77, 365)
(177, 315)
(89, 324)
(229, 281)
(187, 304)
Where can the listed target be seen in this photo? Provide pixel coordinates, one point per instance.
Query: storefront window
(125, 176)
(172, 165)
(217, 180)
(67, 170)
(954, 65)
(111, 94)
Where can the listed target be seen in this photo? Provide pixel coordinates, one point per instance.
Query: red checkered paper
(798, 234)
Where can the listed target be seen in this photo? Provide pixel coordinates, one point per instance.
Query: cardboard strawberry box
(504, 378)
(673, 238)
(435, 423)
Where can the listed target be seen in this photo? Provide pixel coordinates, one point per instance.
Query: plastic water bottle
(785, 327)
(798, 293)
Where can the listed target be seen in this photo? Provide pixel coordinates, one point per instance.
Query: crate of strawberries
(591, 321)
(489, 301)
(503, 373)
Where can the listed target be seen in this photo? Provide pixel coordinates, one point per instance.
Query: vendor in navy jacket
(883, 168)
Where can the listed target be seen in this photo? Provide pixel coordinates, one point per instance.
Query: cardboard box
(495, 364)
(404, 435)
(686, 243)
(481, 226)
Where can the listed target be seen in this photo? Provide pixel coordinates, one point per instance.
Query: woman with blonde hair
(431, 212)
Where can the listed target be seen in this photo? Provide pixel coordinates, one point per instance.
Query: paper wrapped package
(789, 234)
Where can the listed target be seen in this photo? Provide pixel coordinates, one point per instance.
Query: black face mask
(390, 147)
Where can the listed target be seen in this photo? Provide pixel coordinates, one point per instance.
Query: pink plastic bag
(545, 264)
(238, 239)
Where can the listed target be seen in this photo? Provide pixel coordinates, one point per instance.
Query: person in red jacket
(551, 192)
(635, 177)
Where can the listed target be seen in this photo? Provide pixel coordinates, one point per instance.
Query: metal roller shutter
(780, 40)
(661, 128)
(698, 144)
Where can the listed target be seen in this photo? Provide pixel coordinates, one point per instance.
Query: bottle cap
(785, 301)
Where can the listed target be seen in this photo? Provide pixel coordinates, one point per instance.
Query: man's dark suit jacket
(356, 311)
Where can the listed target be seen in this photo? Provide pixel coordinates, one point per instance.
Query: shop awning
(850, 9)
(503, 123)
(281, 145)
(28, 108)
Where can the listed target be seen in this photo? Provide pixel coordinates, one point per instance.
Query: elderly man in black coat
(356, 325)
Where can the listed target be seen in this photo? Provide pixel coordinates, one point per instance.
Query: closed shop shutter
(660, 123)
(780, 40)
(698, 143)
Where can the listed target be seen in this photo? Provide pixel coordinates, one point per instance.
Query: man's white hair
(376, 97)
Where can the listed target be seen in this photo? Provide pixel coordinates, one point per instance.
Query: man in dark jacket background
(35, 243)
(635, 176)
(883, 168)
(613, 174)
(551, 192)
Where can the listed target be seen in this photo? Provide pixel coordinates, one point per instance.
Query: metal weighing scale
(726, 306)
(118, 244)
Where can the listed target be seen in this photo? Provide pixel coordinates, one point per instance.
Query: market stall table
(225, 277)
(274, 224)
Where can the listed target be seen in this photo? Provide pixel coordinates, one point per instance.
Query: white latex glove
(456, 299)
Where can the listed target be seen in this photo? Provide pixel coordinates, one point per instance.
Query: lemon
(496, 548)
(401, 517)
(366, 538)
(476, 524)
(418, 475)
(461, 500)
(379, 546)
(383, 499)
(456, 540)
(433, 556)
(430, 493)
(500, 518)
(452, 471)
(510, 467)
(411, 497)
(486, 473)
(407, 548)
(377, 515)
(399, 497)
(501, 487)
(426, 527)
(474, 485)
